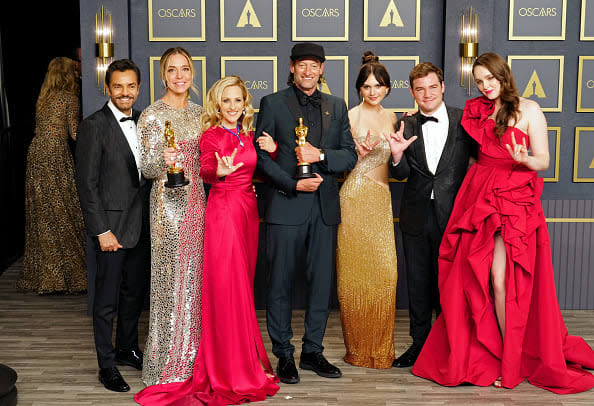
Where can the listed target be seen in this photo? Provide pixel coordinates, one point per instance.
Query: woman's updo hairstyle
(371, 65)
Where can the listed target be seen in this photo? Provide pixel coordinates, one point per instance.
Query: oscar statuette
(175, 173)
(303, 168)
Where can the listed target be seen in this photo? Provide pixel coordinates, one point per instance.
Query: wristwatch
(322, 155)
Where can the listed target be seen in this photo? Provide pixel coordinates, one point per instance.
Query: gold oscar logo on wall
(177, 12)
(391, 16)
(320, 12)
(256, 84)
(537, 11)
(534, 87)
(323, 86)
(592, 164)
(400, 84)
(248, 17)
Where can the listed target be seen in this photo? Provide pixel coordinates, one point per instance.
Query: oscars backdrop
(548, 43)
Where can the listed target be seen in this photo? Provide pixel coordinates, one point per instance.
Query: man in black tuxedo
(433, 152)
(114, 201)
(302, 215)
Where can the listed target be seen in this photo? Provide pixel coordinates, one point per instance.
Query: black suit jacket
(278, 116)
(112, 196)
(445, 182)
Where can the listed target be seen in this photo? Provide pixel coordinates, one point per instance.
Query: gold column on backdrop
(468, 47)
(103, 45)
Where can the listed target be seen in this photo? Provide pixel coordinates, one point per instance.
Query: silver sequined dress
(177, 237)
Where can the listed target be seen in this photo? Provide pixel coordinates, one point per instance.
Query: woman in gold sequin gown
(54, 232)
(366, 251)
(177, 225)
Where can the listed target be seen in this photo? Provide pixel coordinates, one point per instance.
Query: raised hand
(366, 146)
(266, 142)
(225, 164)
(398, 144)
(518, 152)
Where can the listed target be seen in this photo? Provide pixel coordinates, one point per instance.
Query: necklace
(235, 134)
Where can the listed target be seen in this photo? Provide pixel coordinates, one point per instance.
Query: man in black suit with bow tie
(433, 153)
(302, 215)
(114, 201)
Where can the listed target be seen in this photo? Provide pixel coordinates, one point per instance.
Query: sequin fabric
(366, 261)
(55, 239)
(177, 238)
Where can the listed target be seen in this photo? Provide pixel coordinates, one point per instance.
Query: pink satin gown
(231, 357)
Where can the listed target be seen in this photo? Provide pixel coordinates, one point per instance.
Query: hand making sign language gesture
(398, 144)
(519, 152)
(225, 164)
(366, 146)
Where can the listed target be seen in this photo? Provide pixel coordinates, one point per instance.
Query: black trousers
(120, 287)
(284, 246)
(421, 254)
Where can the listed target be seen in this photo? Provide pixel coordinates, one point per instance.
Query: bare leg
(498, 281)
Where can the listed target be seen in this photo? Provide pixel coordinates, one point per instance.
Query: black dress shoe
(131, 358)
(408, 358)
(112, 380)
(286, 371)
(315, 361)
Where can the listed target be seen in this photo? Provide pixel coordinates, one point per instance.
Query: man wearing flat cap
(302, 215)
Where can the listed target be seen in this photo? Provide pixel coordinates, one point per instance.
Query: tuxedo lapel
(419, 144)
(121, 143)
(293, 104)
(448, 148)
(326, 107)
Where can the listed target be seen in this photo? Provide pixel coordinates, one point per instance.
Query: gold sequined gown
(177, 238)
(54, 258)
(366, 260)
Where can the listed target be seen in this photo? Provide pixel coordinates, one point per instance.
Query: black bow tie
(126, 118)
(304, 99)
(423, 119)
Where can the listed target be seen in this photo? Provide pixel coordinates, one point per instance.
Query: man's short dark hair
(121, 65)
(423, 69)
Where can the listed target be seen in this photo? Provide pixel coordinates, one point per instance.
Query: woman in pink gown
(501, 321)
(231, 366)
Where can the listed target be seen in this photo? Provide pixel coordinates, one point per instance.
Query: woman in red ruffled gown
(501, 321)
(231, 366)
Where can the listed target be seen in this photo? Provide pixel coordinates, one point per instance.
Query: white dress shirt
(129, 129)
(435, 135)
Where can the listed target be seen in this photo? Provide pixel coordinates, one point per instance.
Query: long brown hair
(62, 75)
(510, 98)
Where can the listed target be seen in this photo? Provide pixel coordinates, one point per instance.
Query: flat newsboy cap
(307, 50)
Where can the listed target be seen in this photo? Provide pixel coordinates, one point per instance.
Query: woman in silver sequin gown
(177, 225)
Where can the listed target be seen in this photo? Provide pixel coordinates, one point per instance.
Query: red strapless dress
(465, 345)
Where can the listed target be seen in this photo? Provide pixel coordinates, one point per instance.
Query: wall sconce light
(468, 47)
(103, 45)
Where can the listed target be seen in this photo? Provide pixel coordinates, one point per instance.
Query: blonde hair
(62, 75)
(212, 116)
(164, 64)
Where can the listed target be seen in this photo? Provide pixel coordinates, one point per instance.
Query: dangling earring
(164, 83)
